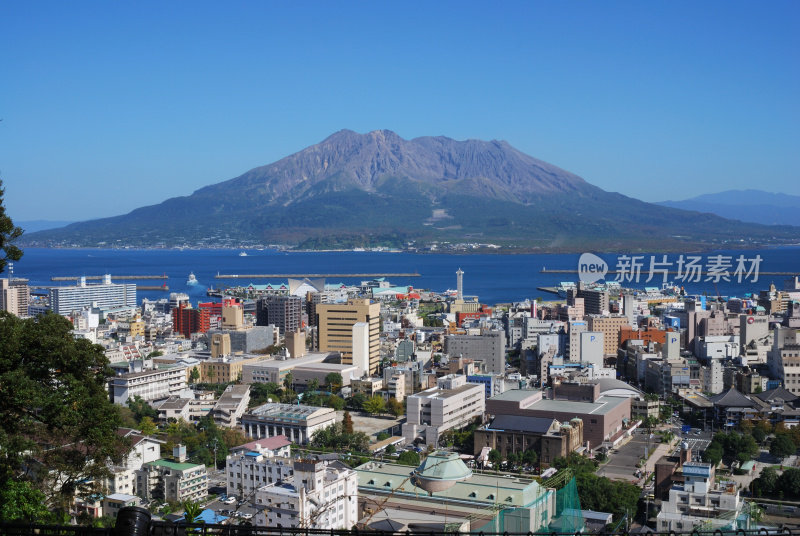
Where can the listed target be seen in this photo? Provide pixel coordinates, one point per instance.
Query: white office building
(150, 385)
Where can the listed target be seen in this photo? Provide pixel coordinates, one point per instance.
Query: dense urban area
(310, 404)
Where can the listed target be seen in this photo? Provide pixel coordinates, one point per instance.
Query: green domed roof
(440, 470)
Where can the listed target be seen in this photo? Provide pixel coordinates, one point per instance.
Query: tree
(391, 449)
(288, 380)
(530, 457)
(58, 428)
(336, 402)
(334, 381)
(191, 511)
(789, 483)
(194, 375)
(408, 457)
(347, 423)
(356, 401)
(782, 446)
(141, 409)
(395, 407)
(381, 436)
(147, 426)
(8, 234)
(495, 457)
(313, 386)
(20, 501)
(375, 405)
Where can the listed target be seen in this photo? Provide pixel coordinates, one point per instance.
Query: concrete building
(174, 481)
(296, 422)
(14, 296)
(246, 339)
(248, 469)
(187, 320)
(548, 437)
(592, 348)
(699, 500)
(610, 326)
(486, 350)
(276, 370)
(603, 417)
(225, 369)
(114, 502)
(335, 323)
(64, 300)
(231, 405)
(285, 312)
(596, 302)
(452, 404)
(320, 494)
(150, 385)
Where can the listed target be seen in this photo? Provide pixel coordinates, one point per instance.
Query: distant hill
(754, 206)
(31, 226)
(353, 190)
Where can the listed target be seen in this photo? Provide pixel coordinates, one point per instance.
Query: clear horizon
(109, 107)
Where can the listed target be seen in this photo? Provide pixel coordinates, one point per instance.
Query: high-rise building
(335, 323)
(65, 300)
(14, 296)
(285, 312)
(186, 320)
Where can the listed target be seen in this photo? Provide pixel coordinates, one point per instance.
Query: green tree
(194, 375)
(147, 426)
(395, 407)
(8, 234)
(334, 381)
(335, 402)
(313, 386)
(356, 401)
(347, 422)
(56, 411)
(375, 405)
(408, 457)
(288, 381)
(260, 392)
(495, 458)
(782, 446)
(381, 436)
(391, 449)
(530, 457)
(141, 409)
(766, 483)
(20, 501)
(157, 353)
(713, 454)
(191, 511)
(789, 483)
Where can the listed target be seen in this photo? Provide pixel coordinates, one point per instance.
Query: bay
(493, 278)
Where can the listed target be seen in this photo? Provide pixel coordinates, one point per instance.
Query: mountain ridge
(377, 188)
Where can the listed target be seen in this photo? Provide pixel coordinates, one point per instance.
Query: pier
(100, 277)
(165, 288)
(310, 276)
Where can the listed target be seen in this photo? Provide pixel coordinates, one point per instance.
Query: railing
(134, 521)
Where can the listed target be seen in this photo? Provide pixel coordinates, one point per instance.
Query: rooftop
(178, 466)
(601, 406)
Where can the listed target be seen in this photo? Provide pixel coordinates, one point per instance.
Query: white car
(229, 500)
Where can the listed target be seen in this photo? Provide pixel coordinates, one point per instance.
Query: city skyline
(112, 107)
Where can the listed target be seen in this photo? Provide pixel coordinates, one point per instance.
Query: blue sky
(109, 106)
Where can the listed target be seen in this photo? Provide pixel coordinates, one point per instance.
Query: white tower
(460, 285)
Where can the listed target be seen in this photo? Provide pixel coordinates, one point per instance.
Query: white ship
(243, 254)
(191, 280)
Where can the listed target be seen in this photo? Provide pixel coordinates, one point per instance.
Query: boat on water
(191, 280)
(243, 254)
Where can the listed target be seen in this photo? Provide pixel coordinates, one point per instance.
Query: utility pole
(215, 454)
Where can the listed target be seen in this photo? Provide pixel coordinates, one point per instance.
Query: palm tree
(191, 511)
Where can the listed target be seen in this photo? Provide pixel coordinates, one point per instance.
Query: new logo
(591, 268)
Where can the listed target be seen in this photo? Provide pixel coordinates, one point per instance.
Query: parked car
(230, 500)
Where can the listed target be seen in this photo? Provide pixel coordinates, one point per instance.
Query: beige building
(224, 369)
(14, 296)
(610, 327)
(335, 323)
(220, 345)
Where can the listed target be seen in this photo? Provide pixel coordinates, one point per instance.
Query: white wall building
(452, 404)
(64, 300)
(319, 495)
(296, 422)
(149, 385)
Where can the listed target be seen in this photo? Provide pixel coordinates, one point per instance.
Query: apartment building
(14, 296)
(64, 300)
(320, 494)
(452, 404)
(150, 385)
(174, 481)
(487, 350)
(285, 312)
(610, 326)
(699, 500)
